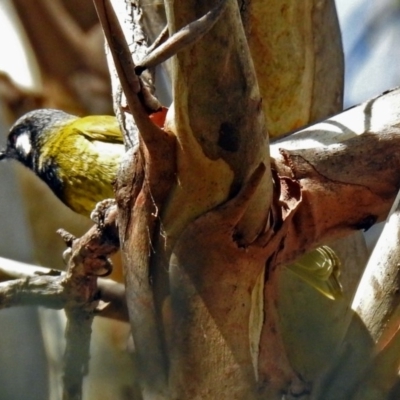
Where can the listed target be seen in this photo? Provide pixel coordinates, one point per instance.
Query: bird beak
(7, 154)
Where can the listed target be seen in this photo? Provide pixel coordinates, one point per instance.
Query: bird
(77, 157)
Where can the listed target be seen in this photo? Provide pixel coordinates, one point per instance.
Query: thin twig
(161, 38)
(36, 290)
(188, 35)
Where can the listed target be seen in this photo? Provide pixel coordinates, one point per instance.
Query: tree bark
(205, 253)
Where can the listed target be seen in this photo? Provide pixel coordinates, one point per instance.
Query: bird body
(77, 158)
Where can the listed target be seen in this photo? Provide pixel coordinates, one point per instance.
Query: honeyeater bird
(77, 158)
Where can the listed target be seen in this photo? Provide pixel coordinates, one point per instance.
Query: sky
(371, 37)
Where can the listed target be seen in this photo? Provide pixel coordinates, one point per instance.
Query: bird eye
(12, 139)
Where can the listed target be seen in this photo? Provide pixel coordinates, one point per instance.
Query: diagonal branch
(381, 281)
(130, 82)
(186, 36)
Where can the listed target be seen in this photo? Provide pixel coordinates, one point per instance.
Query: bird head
(30, 132)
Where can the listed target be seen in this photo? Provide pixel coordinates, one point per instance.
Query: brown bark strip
(274, 370)
(141, 187)
(140, 227)
(137, 249)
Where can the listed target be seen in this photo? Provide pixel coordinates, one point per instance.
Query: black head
(29, 133)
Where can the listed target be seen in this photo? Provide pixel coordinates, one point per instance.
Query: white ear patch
(23, 143)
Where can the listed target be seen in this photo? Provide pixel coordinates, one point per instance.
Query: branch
(88, 260)
(44, 291)
(76, 291)
(140, 100)
(381, 281)
(221, 143)
(26, 285)
(346, 169)
(143, 182)
(186, 36)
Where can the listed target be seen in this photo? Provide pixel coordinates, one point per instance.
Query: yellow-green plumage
(87, 152)
(77, 157)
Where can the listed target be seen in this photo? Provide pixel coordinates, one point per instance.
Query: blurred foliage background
(53, 56)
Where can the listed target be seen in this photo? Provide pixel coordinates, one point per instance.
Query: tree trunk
(207, 219)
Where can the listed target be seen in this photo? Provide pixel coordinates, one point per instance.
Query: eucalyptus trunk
(208, 219)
